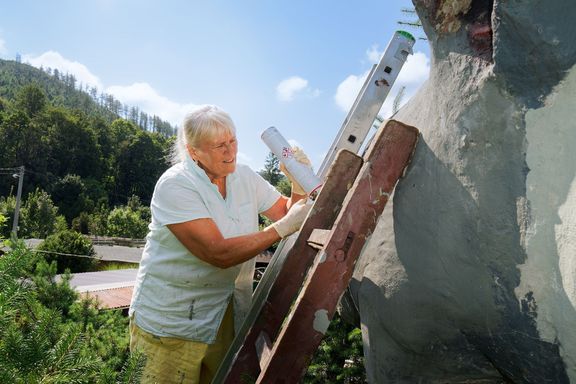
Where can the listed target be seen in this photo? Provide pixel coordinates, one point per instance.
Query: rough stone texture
(470, 275)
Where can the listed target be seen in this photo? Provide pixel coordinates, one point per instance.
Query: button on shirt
(177, 294)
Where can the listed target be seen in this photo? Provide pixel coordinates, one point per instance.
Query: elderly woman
(194, 284)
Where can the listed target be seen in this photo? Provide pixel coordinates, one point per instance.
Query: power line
(66, 254)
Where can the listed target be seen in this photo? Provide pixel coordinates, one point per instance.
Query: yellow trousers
(177, 361)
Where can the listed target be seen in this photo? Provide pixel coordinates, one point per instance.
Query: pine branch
(132, 369)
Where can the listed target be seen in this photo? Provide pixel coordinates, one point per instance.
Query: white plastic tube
(283, 151)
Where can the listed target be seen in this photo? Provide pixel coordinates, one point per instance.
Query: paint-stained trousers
(177, 361)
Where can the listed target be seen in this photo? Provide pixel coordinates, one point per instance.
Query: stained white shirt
(177, 294)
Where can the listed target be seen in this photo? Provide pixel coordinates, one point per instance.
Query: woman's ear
(191, 152)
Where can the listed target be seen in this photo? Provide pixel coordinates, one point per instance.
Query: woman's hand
(293, 220)
(301, 157)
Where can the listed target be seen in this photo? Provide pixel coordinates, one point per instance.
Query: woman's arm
(205, 241)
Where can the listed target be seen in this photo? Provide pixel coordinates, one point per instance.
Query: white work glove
(301, 157)
(292, 221)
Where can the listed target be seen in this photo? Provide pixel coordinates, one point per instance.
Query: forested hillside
(63, 90)
(80, 155)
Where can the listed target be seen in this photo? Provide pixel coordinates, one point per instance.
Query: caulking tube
(283, 151)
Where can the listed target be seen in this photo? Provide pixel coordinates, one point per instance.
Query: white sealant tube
(283, 151)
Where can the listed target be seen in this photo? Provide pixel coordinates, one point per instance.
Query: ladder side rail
(370, 100)
(310, 317)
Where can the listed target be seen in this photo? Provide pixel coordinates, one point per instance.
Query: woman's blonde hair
(203, 123)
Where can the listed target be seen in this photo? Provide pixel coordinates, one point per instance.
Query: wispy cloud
(149, 100)
(55, 60)
(373, 54)
(348, 90)
(289, 88)
(142, 95)
(414, 72)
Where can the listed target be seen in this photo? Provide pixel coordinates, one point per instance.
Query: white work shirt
(176, 293)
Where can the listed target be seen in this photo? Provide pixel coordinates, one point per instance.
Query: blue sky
(297, 65)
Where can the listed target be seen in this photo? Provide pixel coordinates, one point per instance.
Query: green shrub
(7, 207)
(3, 221)
(70, 250)
(130, 220)
(339, 358)
(43, 341)
(39, 216)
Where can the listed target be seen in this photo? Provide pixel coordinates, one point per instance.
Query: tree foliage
(129, 221)
(271, 171)
(71, 251)
(7, 207)
(69, 194)
(46, 340)
(3, 221)
(54, 127)
(39, 216)
(339, 359)
(31, 99)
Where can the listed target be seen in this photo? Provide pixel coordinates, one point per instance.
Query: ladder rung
(318, 238)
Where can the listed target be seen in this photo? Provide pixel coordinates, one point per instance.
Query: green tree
(73, 145)
(23, 143)
(46, 337)
(31, 99)
(69, 193)
(122, 131)
(141, 161)
(39, 216)
(125, 222)
(52, 293)
(271, 171)
(70, 250)
(7, 208)
(135, 204)
(3, 221)
(98, 221)
(339, 359)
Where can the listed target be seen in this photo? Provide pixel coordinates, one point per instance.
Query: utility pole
(20, 176)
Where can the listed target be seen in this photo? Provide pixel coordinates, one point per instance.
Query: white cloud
(348, 90)
(55, 60)
(414, 72)
(374, 54)
(149, 101)
(288, 88)
(141, 95)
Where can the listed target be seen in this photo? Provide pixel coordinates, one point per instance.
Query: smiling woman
(217, 157)
(194, 284)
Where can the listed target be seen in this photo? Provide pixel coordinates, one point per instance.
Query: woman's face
(217, 156)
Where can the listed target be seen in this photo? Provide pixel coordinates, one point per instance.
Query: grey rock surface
(470, 275)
